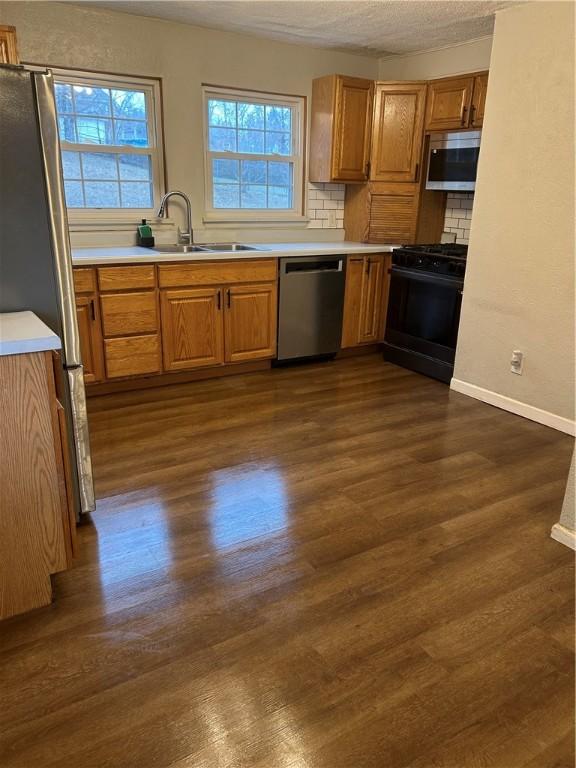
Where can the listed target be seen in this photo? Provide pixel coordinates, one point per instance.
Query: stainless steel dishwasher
(310, 306)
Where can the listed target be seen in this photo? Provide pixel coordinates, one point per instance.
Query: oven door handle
(426, 277)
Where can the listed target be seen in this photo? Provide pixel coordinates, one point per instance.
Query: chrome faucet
(184, 237)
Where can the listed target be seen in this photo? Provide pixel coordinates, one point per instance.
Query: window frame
(298, 106)
(152, 89)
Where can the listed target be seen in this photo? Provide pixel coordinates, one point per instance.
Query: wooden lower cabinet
(192, 329)
(132, 356)
(90, 333)
(250, 322)
(365, 300)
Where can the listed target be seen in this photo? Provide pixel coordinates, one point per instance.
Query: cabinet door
(89, 330)
(393, 213)
(478, 100)
(8, 49)
(250, 322)
(371, 300)
(449, 103)
(352, 129)
(398, 131)
(355, 266)
(192, 328)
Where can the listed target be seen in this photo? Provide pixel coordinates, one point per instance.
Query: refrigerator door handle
(58, 219)
(81, 438)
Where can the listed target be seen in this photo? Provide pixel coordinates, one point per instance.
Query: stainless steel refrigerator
(35, 256)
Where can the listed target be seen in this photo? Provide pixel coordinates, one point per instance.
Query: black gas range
(426, 283)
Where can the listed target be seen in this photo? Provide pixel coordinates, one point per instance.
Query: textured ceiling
(369, 27)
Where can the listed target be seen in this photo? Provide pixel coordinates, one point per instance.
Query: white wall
(519, 289)
(460, 59)
(185, 57)
(565, 530)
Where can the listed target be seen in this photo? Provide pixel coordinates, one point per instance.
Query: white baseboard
(564, 535)
(515, 406)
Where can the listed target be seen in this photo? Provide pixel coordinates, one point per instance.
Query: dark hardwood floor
(342, 565)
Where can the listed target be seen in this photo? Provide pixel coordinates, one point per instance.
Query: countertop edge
(24, 333)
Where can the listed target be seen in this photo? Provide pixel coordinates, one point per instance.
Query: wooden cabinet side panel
(357, 213)
(321, 129)
(8, 45)
(398, 130)
(478, 100)
(250, 322)
(32, 542)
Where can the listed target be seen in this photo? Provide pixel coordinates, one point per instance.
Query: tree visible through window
(109, 146)
(253, 152)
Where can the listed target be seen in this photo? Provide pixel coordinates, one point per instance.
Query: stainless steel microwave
(453, 161)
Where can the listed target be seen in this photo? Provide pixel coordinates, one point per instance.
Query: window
(111, 145)
(253, 155)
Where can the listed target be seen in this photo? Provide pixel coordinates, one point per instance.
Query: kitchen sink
(229, 247)
(178, 248)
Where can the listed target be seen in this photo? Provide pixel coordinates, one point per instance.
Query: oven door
(423, 318)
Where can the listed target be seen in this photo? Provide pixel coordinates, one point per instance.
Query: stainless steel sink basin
(178, 248)
(229, 247)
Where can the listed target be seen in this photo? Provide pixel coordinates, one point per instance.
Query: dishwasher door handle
(306, 266)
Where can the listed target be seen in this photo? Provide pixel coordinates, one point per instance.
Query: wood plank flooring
(342, 565)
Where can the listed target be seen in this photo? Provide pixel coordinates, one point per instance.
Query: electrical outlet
(332, 219)
(517, 362)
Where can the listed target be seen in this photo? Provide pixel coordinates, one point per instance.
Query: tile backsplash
(458, 217)
(325, 206)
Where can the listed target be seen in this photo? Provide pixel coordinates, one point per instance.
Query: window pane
(280, 174)
(222, 140)
(133, 132)
(254, 171)
(225, 171)
(91, 101)
(102, 194)
(253, 196)
(222, 113)
(226, 196)
(278, 118)
(279, 197)
(135, 167)
(251, 116)
(71, 165)
(251, 141)
(97, 165)
(93, 130)
(136, 194)
(129, 104)
(67, 129)
(278, 143)
(74, 196)
(64, 102)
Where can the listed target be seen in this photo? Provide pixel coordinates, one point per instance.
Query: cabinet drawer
(126, 278)
(84, 280)
(132, 356)
(216, 273)
(124, 313)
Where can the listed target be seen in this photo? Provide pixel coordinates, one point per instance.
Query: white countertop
(22, 332)
(136, 254)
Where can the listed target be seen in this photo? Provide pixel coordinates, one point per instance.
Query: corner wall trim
(564, 535)
(515, 406)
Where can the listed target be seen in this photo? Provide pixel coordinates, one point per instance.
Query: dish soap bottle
(145, 236)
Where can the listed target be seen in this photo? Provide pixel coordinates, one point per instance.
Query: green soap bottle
(145, 236)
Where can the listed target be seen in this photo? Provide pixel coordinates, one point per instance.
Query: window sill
(118, 225)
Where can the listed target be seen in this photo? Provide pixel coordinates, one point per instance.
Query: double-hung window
(111, 142)
(254, 147)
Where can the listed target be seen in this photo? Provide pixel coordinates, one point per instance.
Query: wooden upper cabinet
(449, 102)
(478, 100)
(397, 131)
(192, 328)
(89, 331)
(8, 47)
(341, 126)
(250, 322)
